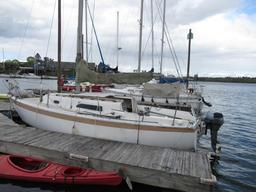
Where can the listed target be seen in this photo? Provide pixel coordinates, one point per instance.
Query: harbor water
(236, 170)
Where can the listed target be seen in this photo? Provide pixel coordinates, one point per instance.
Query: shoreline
(227, 79)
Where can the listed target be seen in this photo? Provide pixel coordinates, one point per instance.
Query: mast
(162, 45)
(82, 46)
(59, 47)
(140, 38)
(86, 30)
(79, 42)
(152, 31)
(117, 38)
(189, 37)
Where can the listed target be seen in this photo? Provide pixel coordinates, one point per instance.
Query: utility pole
(162, 44)
(59, 47)
(152, 31)
(189, 37)
(79, 42)
(140, 38)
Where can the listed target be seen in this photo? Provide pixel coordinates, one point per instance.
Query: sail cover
(84, 74)
(162, 90)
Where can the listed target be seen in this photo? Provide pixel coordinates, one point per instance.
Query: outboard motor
(213, 122)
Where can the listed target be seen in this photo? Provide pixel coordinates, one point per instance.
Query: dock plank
(157, 166)
(5, 106)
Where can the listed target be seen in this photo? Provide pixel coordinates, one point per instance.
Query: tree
(31, 60)
(8, 61)
(12, 65)
(15, 62)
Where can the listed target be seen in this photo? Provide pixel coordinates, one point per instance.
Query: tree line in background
(46, 66)
(227, 79)
(15, 64)
(35, 64)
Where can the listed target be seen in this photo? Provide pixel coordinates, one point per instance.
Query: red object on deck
(35, 170)
(88, 88)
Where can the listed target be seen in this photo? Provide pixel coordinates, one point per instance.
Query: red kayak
(35, 170)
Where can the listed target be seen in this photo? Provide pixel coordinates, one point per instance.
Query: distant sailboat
(84, 74)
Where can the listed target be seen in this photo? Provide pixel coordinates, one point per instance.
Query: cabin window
(90, 107)
(127, 105)
(56, 101)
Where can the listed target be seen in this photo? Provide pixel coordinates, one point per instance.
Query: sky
(224, 42)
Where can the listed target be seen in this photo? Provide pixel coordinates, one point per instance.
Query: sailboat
(84, 74)
(162, 93)
(111, 118)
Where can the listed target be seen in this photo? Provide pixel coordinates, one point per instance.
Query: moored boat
(4, 96)
(119, 119)
(36, 170)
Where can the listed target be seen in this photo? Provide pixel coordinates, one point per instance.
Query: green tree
(8, 61)
(15, 62)
(31, 60)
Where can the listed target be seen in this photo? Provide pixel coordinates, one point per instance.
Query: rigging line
(50, 33)
(98, 44)
(176, 57)
(173, 48)
(152, 31)
(66, 29)
(173, 55)
(168, 41)
(26, 28)
(177, 65)
(144, 49)
(146, 44)
(156, 16)
(93, 13)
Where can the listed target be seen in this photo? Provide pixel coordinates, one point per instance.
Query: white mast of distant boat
(162, 44)
(117, 38)
(140, 37)
(152, 31)
(79, 42)
(86, 31)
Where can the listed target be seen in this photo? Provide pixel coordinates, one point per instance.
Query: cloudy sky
(224, 41)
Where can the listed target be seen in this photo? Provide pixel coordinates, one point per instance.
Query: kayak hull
(11, 168)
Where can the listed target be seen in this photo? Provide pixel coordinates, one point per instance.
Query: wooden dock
(156, 166)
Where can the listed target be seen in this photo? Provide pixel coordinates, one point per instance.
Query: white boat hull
(40, 116)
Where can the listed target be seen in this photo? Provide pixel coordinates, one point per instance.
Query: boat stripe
(102, 123)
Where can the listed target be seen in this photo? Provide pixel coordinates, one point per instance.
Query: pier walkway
(156, 166)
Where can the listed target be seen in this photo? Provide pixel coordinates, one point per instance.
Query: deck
(156, 166)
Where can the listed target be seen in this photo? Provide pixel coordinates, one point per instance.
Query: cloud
(185, 12)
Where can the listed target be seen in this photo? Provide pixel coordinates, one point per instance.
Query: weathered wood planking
(155, 166)
(4, 105)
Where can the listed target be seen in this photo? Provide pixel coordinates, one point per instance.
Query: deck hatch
(90, 107)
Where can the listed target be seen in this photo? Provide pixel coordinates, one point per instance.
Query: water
(236, 170)
(28, 84)
(237, 167)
